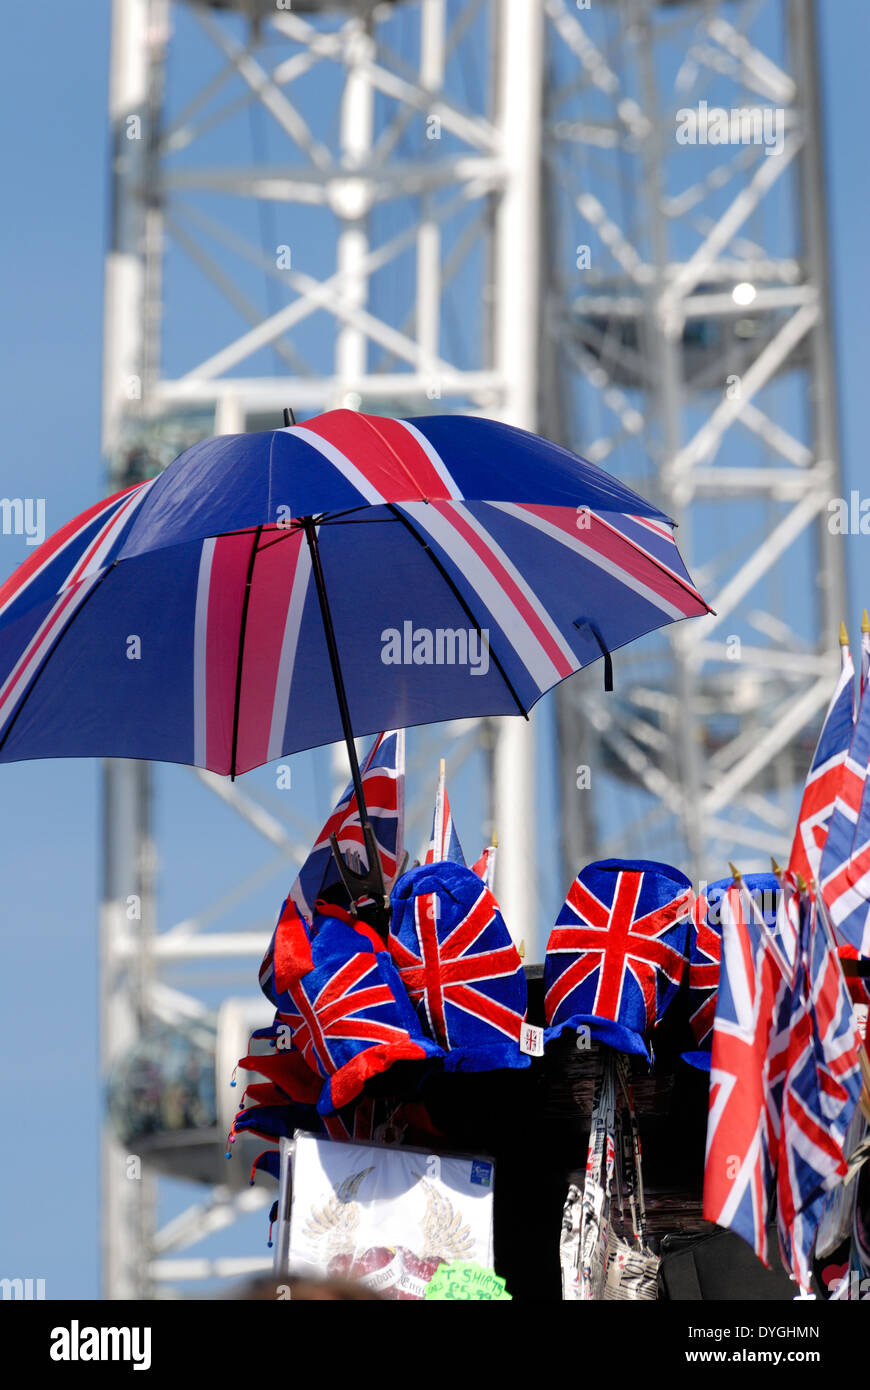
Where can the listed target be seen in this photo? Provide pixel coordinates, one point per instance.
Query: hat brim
(699, 1060)
(603, 1030)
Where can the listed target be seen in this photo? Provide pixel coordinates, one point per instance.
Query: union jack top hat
(458, 963)
(618, 952)
(343, 1004)
(705, 950)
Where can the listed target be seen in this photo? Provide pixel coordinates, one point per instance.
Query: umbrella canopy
(469, 567)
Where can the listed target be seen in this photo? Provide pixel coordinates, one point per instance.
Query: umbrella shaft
(338, 679)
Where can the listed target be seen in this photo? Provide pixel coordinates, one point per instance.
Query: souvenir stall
(454, 1124)
(440, 1114)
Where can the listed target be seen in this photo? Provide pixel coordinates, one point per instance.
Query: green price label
(462, 1279)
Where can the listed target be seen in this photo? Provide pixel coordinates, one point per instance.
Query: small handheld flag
(444, 843)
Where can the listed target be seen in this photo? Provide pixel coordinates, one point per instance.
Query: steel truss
(657, 356)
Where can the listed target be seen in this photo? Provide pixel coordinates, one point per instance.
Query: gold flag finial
(521, 949)
(844, 636)
(801, 883)
(495, 839)
(735, 873)
(865, 622)
(775, 868)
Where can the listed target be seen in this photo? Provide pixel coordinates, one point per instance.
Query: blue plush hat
(617, 953)
(705, 949)
(459, 965)
(344, 1005)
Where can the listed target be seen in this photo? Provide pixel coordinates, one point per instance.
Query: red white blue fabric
(383, 778)
(821, 1088)
(844, 873)
(462, 971)
(449, 525)
(342, 1006)
(705, 949)
(485, 866)
(444, 841)
(750, 1038)
(618, 952)
(825, 777)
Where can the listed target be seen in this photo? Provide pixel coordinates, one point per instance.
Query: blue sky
(56, 164)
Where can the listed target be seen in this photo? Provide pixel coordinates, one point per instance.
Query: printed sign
(385, 1215)
(465, 1280)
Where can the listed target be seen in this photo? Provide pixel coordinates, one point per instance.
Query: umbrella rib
(51, 651)
(458, 596)
(242, 626)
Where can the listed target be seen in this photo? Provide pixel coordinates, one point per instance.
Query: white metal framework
(688, 321)
(382, 206)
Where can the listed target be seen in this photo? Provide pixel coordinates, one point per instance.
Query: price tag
(532, 1040)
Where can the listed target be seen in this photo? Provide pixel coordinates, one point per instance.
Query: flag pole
(373, 881)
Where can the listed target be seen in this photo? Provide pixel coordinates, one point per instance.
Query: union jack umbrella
(432, 568)
(617, 954)
(459, 965)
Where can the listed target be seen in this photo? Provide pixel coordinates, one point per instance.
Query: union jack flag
(618, 949)
(705, 946)
(343, 1002)
(821, 1087)
(746, 1069)
(705, 949)
(844, 873)
(827, 775)
(383, 779)
(485, 866)
(458, 964)
(444, 843)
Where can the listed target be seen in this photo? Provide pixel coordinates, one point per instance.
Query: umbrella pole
(310, 530)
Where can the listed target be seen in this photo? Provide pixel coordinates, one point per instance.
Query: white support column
(124, 264)
(350, 198)
(433, 18)
(139, 29)
(519, 36)
(126, 925)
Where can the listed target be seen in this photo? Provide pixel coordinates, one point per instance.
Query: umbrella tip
(844, 636)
